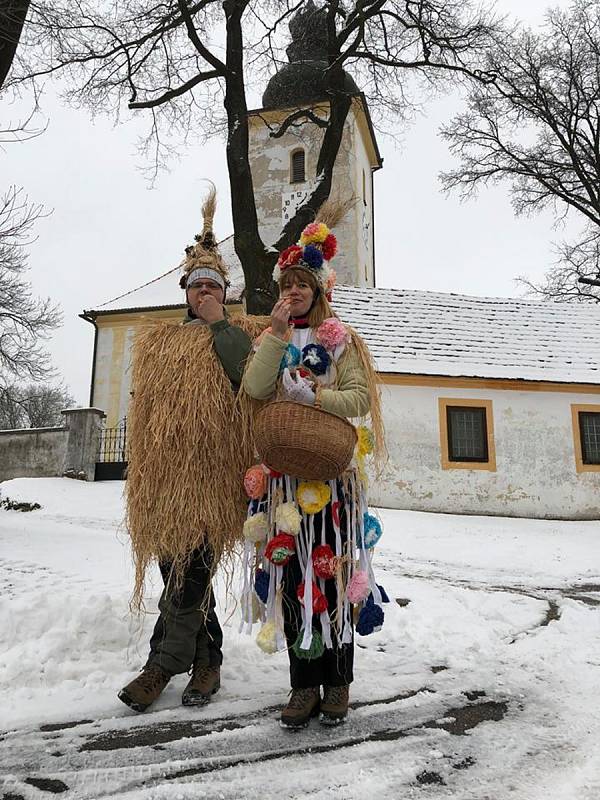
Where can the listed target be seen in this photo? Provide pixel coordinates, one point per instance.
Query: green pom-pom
(316, 646)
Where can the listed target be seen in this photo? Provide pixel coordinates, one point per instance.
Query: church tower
(284, 167)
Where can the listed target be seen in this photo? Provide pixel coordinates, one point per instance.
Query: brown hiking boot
(302, 705)
(145, 689)
(334, 706)
(205, 682)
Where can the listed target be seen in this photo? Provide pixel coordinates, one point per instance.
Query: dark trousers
(334, 667)
(187, 630)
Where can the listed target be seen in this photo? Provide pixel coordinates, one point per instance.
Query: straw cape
(189, 443)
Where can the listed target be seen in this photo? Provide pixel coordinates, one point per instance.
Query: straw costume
(188, 451)
(309, 544)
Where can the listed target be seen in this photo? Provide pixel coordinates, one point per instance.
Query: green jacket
(232, 346)
(349, 399)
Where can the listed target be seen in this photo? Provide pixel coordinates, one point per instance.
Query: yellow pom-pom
(315, 233)
(288, 519)
(267, 638)
(256, 528)
(313, 496)
(365, 440)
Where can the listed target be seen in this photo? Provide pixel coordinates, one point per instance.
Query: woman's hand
(280, 318)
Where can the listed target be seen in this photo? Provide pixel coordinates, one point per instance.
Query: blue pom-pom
(370, 619)
(291, 357)
(383, 593)
(261, 585)
(315, 358)
(372, 533)
(312, 256)
(384, 598)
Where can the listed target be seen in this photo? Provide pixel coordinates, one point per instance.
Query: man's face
(200, 289)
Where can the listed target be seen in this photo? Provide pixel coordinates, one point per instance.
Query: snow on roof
(164, 291)
(428, 333)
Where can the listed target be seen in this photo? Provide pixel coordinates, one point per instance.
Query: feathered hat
(202, 259)
(316, 247)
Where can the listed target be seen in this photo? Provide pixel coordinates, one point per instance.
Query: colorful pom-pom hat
(316, 247)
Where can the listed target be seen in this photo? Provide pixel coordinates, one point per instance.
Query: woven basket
(303, 441)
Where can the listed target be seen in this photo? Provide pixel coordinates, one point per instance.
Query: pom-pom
(261, 584)
(315, 358)
(267, 638)
(319, 601)
(291, 357)
(324, 561)
(280, 549)
(372, 533)
(370, 619)
(316, 646)
(255, 483)
(358, 588)
(316, 232)
(329, 247)
(313, 496)
(383, 593)
(366, 440)
(256, 528)
(312, 257)
(289, 257)
(332, 333)
(288, 518)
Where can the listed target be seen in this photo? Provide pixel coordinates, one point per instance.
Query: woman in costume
(309, 543)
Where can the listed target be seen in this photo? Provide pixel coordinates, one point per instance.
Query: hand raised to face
(208, 308)
(280, 318)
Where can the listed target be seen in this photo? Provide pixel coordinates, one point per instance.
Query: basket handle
(318, 395)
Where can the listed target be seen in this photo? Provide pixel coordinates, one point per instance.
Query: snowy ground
(484, 686)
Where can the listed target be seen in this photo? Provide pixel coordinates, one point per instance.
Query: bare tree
(33, 405)
(184, 62)
(537, 126)
(24, 319)
(12, 19)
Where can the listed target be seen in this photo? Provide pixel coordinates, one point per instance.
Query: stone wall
(51, 452)
(32, 453)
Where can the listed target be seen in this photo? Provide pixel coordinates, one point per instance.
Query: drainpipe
(87, 316)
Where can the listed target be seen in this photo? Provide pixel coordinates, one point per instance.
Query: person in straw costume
(188, 450)
(309, 543)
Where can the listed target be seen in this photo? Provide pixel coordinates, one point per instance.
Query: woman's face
(300, 294)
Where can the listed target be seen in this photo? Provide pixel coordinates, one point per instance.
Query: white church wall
(535, 473)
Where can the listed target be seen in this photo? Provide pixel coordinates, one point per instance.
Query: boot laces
(300, 698)
(151, 678)
(336, 695)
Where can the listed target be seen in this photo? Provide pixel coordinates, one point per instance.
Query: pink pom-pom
(332, 333)
(255, 483)
(358, 588)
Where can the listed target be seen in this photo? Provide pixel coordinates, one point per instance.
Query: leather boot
(205, 682)
(302, 705)
(334, 706)
(145, 689)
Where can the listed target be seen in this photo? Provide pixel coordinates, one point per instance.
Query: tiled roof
(427, 333)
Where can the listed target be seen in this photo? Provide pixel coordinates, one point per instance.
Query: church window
(364, 187)
(586, 437)
(466, 434)
(298, 167)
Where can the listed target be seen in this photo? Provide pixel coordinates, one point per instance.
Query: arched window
(298, 167)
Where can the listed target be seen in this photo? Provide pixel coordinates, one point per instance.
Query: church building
(492, 405)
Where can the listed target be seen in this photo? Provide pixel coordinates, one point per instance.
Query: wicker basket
(303, 441)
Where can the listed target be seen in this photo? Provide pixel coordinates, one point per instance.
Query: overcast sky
(108, 232)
